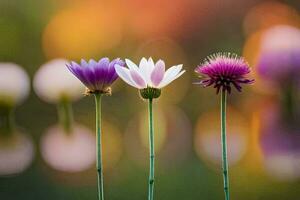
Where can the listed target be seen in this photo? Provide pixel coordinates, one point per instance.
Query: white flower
(14, 83)
(53, 81)
(148, 74)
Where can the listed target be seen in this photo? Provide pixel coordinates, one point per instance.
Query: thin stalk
(289, 103)
(65, 114)
(99, 147)
(224, 145)
(152, 155)
(7, 123)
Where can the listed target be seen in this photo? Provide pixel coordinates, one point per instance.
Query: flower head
(149, 76)
(279, 58)
(96, 76)
(53, 82)
(14, 84)
(224, 70)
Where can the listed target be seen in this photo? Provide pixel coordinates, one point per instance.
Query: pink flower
(223, 71)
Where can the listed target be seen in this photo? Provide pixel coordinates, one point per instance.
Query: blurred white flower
(53, 81)
(14, 83)
(16, 153)
(71, 152)
(281, 37)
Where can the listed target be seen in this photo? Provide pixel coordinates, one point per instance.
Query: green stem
(224, 145)
(151, 141)
(99, 146)
(289, 103)
(65, 114)
(7, 123)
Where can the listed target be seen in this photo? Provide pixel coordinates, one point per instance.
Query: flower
(53, 82)
(279, 57)
(14, 84)
(222, 70)
(149, 78)
(96, 76)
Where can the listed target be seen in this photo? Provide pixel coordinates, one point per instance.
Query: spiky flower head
(224, 70)
(96, 76)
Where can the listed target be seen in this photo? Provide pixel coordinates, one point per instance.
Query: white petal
(131, 65)
(124, 74)
(171, 72)
(151, 63)
(145, 70)
(170, 75)
(172, 79)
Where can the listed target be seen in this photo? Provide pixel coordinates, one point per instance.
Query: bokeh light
(83, 31)
(14, 84)
(269, 29)
(53, 81)
(279, 145)
(72, 152)
(172, 136)
(263, 152)
(280, 54)
(150, 18)
(76, 151)
(207, 141)
(268, 14)
(16, 153)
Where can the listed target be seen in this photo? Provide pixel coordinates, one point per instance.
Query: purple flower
(222, 70)
(96, 76)
(279, 66)
(279, 57)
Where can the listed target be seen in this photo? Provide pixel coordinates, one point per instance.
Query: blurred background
(47, 147)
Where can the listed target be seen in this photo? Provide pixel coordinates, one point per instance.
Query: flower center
(224, 81)
(150, 93)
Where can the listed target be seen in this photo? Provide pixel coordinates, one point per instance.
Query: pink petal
(157, 74)
(137, 78)
(124, 74)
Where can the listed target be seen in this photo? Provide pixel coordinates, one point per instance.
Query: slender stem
(151, 145)
(99, 147)
(289, 103)
(224, 145)
(7, 123)
(65, 114)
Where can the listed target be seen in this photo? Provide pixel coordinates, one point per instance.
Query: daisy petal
(151, 63)
(165, 83)
(84, 63)
(138, 79)
(145, 70)
(124, 74)
(157, 74)
(131, 65)
(170, 73)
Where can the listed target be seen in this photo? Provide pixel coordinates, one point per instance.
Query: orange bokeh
(84, 30)
(152, 18)
(269, 14)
